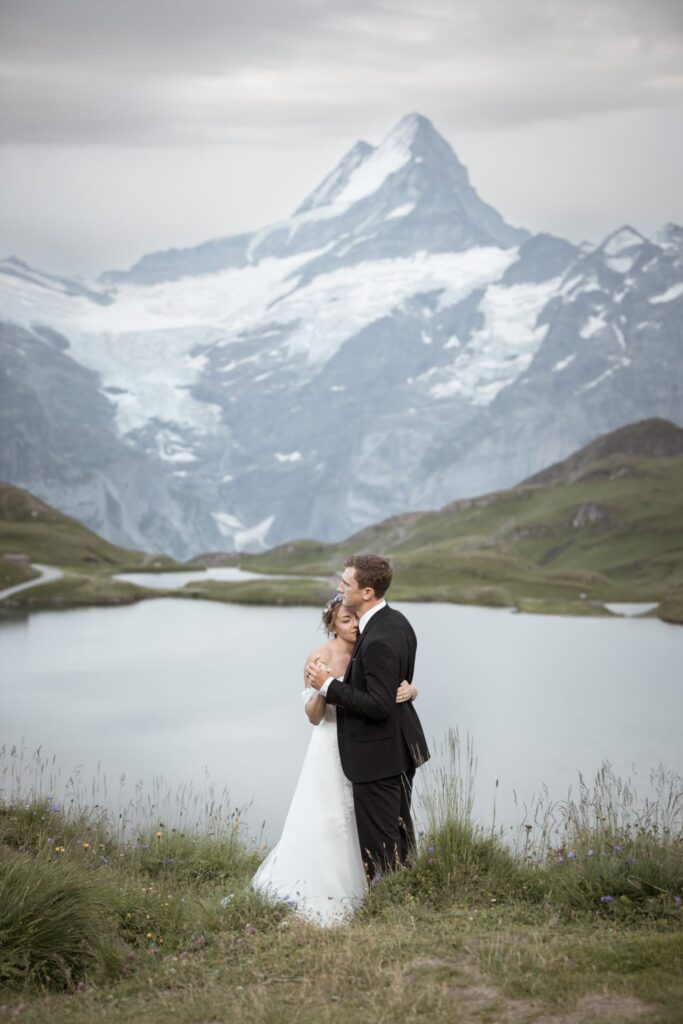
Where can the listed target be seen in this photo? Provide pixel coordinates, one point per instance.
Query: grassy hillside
(578, 921)
(32, 531)
(604, 525)
(29, 526)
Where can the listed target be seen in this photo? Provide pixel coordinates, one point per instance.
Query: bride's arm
(315, 706)
(406, 691)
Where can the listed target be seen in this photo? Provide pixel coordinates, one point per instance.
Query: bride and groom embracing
(349, 819)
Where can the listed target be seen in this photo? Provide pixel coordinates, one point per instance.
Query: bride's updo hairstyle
(330, 612)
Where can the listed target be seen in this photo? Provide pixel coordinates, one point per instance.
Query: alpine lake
(162, 707)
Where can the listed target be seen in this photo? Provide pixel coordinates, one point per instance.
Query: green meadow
(577, 919)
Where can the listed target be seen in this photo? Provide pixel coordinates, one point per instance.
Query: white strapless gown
(316, 866)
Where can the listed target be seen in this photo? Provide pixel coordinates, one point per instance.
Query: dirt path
(47, 574)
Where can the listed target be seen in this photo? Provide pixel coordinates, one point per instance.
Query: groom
(380, 742)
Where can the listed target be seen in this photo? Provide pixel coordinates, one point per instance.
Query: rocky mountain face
(394, 345)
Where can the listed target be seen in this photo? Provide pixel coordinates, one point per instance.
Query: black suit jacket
(378, 738)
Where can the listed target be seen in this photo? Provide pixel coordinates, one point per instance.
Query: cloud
(164, 72)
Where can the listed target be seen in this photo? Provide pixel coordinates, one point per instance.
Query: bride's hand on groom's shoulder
(406, 691)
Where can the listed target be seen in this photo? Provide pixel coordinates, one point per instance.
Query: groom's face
(352, 595)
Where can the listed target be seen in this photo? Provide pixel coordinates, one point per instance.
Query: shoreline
(60, 589)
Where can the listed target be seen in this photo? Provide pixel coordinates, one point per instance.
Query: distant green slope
(32, 531)
(29, 526)
(606, 524)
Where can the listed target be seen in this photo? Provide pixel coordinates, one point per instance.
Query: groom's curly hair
(371, 571)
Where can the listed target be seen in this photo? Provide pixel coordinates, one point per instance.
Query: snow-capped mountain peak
(365, 168)
(328, 191)
(668, 236)
(620, 241)
(409, 194)
(394, 344)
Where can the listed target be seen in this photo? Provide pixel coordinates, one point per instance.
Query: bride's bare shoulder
(319, 652)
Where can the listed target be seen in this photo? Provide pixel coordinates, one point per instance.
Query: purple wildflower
(430, 850)
(606, 899)
(570, 855)
(590, 853)
(677, 900)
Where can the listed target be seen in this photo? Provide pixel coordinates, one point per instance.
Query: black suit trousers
(385, 827)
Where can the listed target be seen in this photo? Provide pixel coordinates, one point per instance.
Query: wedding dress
(316, 866)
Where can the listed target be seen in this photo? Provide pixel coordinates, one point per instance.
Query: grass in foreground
(580, 922)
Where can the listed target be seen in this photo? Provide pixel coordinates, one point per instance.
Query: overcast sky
(132, 125)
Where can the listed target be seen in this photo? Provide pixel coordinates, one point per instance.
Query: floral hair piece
(329, 610)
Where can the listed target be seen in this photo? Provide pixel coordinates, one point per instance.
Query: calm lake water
(206, 693)
(176, 580)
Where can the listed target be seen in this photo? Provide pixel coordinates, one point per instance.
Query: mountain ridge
(655, 438)
(405, 162)
(359, 359)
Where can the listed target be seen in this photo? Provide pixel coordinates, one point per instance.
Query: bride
(316, 866)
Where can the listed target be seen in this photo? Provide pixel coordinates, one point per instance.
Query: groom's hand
(317, 673)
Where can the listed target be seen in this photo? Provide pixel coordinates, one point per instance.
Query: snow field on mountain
(148, 346)
(252, 537)
(333, 307)
(27, 303)
(150, 342)
(503, 348)
(366, 176)
(669, 295)
(371, 174)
